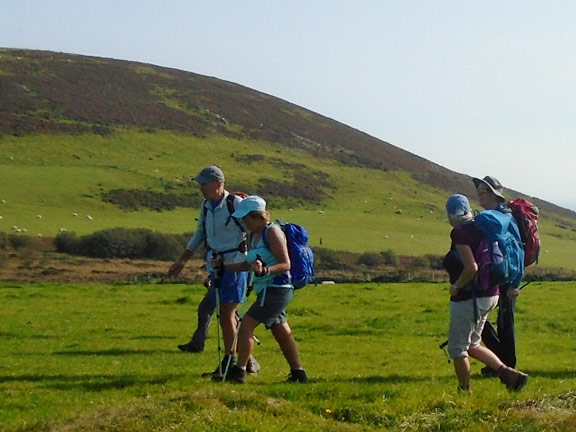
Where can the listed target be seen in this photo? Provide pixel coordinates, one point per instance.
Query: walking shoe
(297, 375)
(513, 379)
(190, 347)
(253, 366)
(488, 372)
(219, 371)
(235, 375)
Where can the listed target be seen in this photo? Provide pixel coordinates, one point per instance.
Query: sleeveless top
(260, 251)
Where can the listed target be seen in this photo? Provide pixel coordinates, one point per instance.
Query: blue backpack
(503, 239)
(301, 255)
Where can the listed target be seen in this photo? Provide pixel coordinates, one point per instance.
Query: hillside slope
(84, 135)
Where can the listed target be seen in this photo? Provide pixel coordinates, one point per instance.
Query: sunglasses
(482, 190)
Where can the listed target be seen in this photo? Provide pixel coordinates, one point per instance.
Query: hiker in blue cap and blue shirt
(469, 307)
(269, 261)
(502, 341)
(226, 239)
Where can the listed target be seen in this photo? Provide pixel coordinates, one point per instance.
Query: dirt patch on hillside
(51, 267)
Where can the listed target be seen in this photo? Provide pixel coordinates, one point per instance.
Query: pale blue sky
(480, 87)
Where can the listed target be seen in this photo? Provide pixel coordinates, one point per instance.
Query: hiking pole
(525, 285)
(247, 290)
(217, 284)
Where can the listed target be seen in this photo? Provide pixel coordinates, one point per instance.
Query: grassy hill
(78, 132)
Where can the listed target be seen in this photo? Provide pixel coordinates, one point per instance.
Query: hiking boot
(235, 375)
(191, 347)
(488, 372)
(253, 366)
(297, 375)
(513, 379)
(219, 371)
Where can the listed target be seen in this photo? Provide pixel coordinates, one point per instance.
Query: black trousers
(502, 340)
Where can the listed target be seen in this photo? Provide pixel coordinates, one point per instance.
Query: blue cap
(209, 174)
(248, 204)
(457, 206)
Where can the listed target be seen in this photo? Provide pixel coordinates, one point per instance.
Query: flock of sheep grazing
(18, 229)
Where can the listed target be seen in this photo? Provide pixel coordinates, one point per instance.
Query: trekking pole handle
(220, 270)
(259, 258)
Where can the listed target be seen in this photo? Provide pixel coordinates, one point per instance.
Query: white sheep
(38, 216)
(63, 230)
(74, 214)
(88, 217)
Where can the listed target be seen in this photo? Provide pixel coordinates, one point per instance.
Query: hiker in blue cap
(269, 261)
(469, 306)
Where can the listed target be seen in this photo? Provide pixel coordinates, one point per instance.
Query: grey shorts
(465, 332)
(270, 306)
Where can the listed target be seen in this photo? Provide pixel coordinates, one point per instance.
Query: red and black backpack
(526, 215)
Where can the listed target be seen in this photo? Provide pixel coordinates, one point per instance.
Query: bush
(123, 243)
(325, 259)
(3, 241)
(435, 261)
(371, 259)
(163, 247)
(390, 258)
(66, 242)
(22, 241)
(114, 243)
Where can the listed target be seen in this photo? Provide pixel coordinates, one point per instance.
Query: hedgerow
(123, 243)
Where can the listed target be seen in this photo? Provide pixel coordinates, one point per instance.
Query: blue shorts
(232, 286)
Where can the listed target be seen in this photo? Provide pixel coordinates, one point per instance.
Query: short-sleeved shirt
(465, 234)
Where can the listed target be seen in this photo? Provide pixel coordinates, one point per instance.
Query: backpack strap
(231, 210)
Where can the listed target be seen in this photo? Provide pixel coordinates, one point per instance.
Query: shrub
(3, 241)
(66, 242)
(22, 241)
(163, 247)
(114, 243)
(325, 259)
(371, 259)
(123, 243)
(435, 261)
(390, 258)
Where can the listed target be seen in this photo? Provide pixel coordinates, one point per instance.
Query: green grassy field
(103, 357)
(57, 176)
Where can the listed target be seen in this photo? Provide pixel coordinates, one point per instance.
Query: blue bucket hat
(248, 204)
(457, 206)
